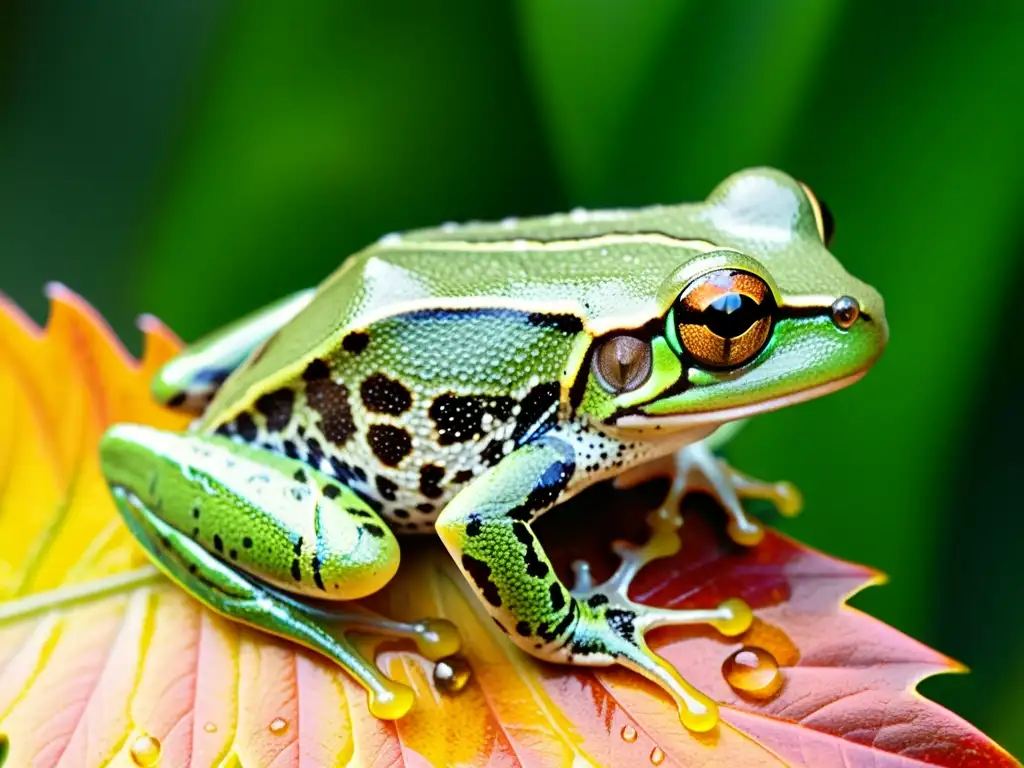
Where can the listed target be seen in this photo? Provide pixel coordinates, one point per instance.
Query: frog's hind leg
(243, 599)
(190, 380)
(253, 535)
(487, 528)
(697, 468)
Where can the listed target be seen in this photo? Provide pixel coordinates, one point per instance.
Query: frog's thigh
(227, 522)
(269, 516)
(487, 529)
(190, 380)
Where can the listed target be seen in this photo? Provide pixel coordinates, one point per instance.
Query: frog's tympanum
(466, 380)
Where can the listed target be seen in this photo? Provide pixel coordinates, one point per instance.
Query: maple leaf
(105, 662)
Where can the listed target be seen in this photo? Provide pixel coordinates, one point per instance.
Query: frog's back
(604, 267)
(600, 268)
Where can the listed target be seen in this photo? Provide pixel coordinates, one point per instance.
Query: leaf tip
(15, 313)
(151, 325)
(160, 343)
(876, 578)
(148, 323)
(57, 291)
(954, 667)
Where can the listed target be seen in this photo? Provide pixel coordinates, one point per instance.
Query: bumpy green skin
(442, 378)
(320, 539)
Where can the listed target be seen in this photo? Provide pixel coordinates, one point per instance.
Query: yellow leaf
(61, 388)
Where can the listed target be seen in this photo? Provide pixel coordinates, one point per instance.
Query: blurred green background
(196, 159)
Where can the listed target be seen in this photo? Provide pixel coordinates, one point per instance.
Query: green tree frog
(466, 379)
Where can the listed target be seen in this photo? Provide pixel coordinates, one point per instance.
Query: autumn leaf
(104, 662)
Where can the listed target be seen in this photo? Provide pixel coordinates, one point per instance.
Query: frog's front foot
(697, 468)
(612, 623)
(487, 528)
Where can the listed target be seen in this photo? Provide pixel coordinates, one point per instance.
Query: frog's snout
(865, 306)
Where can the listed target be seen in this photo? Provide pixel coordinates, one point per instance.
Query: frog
(465, 379)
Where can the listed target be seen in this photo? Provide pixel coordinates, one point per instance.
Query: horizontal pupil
(728, 303)
(731, 315)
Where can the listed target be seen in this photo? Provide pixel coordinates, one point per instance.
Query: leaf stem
(76, 594)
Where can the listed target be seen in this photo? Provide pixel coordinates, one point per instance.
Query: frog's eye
(622, 363)
(724, 318)
(822, 217)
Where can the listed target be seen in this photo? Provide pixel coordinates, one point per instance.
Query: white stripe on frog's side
(603, 453)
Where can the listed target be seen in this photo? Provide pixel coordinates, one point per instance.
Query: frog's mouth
(696, 420)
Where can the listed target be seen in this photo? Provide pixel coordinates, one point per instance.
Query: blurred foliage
(196, 159)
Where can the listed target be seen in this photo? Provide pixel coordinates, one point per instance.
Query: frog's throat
(721, 416)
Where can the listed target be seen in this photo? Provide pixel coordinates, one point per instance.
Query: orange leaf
(102, 659)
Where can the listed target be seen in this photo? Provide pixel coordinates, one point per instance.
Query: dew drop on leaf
(278, 725)
(753, 671)
(628, 733)
(451, 674)
(657, 756)
(145, 751)
(210, 727)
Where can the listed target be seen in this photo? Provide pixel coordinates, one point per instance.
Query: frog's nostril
(845, 311)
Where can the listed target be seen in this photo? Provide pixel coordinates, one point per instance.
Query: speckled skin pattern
(407, 430)
(444, 379)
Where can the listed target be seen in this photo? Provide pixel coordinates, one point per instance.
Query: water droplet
(628, 733)
(657, 756)
(210, 727)
(753, 671)
(278, 725)
(145, 751)
(451, 674)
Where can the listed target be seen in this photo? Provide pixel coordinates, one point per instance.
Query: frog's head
(764, 318)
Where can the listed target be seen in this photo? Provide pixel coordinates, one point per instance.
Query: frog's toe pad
(392, 703)
(745, 532)
(437, 638)
(739, 617)
(788, 499)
